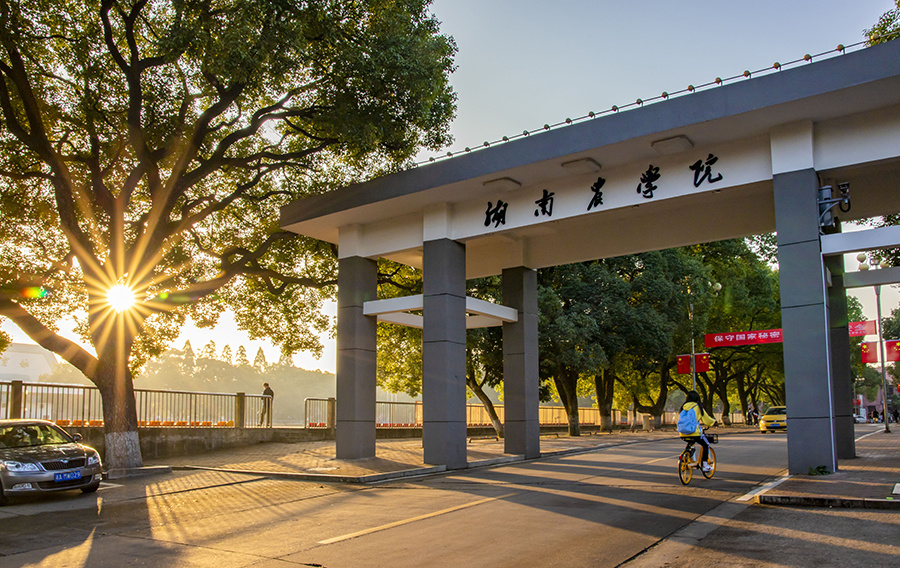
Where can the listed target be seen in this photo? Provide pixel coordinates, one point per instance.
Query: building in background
(24, 362)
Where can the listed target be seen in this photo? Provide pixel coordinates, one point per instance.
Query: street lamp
(861, 257)
(715, 288)
(856, 401)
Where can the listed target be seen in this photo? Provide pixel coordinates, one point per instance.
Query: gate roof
(695, 168)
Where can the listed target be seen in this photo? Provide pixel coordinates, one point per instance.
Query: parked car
(774, 419)
(37, 456)
(860, 418)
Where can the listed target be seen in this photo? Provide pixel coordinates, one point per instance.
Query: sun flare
(120, 297)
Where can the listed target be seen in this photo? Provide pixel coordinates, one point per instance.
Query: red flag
(702, 362)
(870, 352)
(892, 350)
(684, 364)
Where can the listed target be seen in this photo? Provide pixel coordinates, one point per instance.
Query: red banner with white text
(860, 328)
(738, 338)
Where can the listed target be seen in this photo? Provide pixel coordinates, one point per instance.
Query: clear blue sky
(524, 63)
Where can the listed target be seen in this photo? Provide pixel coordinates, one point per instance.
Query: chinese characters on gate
(703, 170)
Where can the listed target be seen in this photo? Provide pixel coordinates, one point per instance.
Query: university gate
(729, 161)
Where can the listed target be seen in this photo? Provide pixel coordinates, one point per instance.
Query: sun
(120, 297)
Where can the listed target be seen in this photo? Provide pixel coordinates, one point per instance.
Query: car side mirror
(77, 437)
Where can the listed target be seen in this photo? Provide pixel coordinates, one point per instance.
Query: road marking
(763, 488)
(869, 434)
(663, 459)
(413, 519)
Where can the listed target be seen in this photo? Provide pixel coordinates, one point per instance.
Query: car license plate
(67, 476)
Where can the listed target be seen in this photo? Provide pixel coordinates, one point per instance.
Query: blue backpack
(687, 422)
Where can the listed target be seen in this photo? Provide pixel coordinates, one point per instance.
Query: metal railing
(319, 413)
(78, 405)
(397, 414)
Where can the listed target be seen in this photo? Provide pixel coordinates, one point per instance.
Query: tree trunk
(726, 410)
(567, 394)
(741, 381)
(486, 402)
(109, 372)
(123, 447)
(604, 383)
(656, 409)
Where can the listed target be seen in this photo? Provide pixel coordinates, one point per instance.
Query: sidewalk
(865, 482)
(315, 461)
(870, 481)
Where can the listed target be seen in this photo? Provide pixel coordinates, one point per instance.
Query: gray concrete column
(355, 365)
(444, 353)
(521, 397)
(841, 372)
(804, 316)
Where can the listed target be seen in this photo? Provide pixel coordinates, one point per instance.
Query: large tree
(748, 300)
(569, 328)
(149, 144)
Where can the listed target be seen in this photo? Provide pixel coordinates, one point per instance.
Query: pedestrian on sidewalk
(265, 417)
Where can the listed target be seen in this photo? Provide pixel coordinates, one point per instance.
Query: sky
(524, 63)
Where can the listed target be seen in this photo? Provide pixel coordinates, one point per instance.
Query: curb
(833, 502)
(121, 473)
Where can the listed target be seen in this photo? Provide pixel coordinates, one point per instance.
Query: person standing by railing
(265, 417)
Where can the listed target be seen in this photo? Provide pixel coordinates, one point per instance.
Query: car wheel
(91, 488)
(3, 498)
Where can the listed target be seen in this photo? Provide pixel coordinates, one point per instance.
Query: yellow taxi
(773, 420)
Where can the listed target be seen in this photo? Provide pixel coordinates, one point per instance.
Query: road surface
(596, 508)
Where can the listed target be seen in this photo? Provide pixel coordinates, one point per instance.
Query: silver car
(37, 456)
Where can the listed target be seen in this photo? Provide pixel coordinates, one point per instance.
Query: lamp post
(715, 288)
(857, 404)
(861, 257)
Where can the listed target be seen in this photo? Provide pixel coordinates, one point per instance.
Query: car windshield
(775, 410)
(26, 435)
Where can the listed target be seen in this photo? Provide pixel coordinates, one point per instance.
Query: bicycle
(687, 462)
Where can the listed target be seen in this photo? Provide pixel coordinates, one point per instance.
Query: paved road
(596, 508)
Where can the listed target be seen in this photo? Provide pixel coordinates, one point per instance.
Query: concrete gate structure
(734, 160)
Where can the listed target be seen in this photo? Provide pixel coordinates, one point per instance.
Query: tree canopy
(150, 143)
(887, 27)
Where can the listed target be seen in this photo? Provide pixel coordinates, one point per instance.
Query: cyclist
(704, 420)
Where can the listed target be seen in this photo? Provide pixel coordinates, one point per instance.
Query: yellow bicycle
(689, 460)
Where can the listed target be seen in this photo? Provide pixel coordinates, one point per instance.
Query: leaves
(886, 28)
(152, 143)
